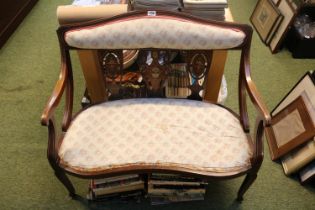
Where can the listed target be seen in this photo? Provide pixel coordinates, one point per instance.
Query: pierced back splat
(198, 64)
(112, 66)
(154, 67)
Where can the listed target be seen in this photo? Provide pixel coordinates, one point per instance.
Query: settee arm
(262, 120)
(257, 102)
(47, 118)
(55, 98)
(64, 84)
(246, 85)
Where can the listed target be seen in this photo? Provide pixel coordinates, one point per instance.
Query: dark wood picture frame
(281, 141)
(265, 19)
(289, 10)
(274, 30)
(305, 86)
(276, 2)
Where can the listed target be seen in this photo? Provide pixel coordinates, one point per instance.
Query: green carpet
(29, 67)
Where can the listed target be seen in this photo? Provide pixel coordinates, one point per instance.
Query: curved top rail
(163, 30)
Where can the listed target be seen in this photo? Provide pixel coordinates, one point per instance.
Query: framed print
(305, 87)
(308, 173)
(289, 12)
(274, 30)
(276, 2)
(290, 128)
(264, 18)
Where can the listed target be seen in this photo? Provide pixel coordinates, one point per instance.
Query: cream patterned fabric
(170, 132)
(154, 32)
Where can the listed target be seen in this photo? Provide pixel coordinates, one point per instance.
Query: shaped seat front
(156, 132)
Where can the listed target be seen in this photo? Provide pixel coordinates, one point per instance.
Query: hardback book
(176, 183)
(114, 186)
(205, 3)
(308, 173)
(173, 177)
(159, 200)
(156, 4)
(114, 179)
(174, 192)
(96, 2)
(178, 82)
(178, 188)
(138, 185)
(208, 9)
(116, 183)
(298, 158)
(169, 188)
(122, 196)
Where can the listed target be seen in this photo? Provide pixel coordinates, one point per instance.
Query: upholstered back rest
(158, 37)
(164, 32)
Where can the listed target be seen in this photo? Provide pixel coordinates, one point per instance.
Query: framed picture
(288, 9)
(305, 87)
(276, 2)
(274, 30)
(290, 128)
(308, 173)
(264, 18)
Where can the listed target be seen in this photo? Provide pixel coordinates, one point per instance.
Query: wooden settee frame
(64, 85)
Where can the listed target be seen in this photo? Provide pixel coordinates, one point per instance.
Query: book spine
(112, 179)
(119, 189)
(293, 162)
(116, 183)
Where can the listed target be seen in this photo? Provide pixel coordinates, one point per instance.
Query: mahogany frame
(276, 12)
(277, 151)
(65, 84)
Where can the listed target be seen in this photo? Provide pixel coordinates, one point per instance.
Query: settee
(188, 136)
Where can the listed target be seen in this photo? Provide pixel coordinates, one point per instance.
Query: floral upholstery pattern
(155, 32)
(172, 132)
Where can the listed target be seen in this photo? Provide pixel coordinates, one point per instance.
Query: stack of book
(170, 188)
(178, 82)
(208, 9)
(127, 187)
(155, 5)
(301, 160)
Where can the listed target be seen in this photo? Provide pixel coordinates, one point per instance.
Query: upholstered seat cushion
(170, 132)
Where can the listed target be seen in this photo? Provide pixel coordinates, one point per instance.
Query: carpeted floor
(29, 67)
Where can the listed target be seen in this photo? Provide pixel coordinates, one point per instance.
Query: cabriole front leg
(53, 159)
